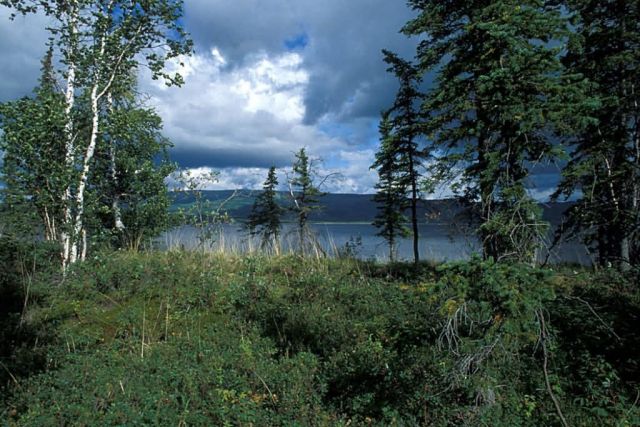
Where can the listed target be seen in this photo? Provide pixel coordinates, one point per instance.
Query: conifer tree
(265, 217)
(404, 120)
(499, 94)
(304, 193)
(605, 163)
(391, 192)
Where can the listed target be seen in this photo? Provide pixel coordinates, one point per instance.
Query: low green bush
(22, 342)
(199, 339)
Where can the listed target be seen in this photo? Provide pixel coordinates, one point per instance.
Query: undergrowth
(179, 338)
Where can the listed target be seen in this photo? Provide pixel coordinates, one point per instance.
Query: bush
(182, 338)
(21, 344)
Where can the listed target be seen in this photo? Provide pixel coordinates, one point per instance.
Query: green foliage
(101, 46)
(604, 168)
(33, 169)
(401, 129)
(206, 216)
(128, 350)
(265, 216)
(305, 194)
(22, 344)
(391, 189)
(500, 93)
(200, 339)
(133, 205)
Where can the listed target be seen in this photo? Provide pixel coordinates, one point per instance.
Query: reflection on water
(437, 242)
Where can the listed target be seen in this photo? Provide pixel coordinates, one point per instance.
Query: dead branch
(543, 339)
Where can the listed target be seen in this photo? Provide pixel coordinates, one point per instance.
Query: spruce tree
(605, 164)
(391, 191)
(305, 195)
(500, 92)
(265, 217)
(405, 121)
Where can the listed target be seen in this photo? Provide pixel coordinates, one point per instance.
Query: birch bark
(117, 214)
(65, 235)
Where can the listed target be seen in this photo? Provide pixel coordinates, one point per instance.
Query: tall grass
(286, 244)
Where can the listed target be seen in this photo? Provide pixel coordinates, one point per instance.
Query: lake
(437, 242)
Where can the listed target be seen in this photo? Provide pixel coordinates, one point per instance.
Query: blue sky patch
(298, 42)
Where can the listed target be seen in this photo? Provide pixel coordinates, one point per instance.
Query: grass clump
(180, 338)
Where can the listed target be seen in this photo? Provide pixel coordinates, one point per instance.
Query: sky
(266, 79)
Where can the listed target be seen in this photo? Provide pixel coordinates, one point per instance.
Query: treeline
(264, 220)
(498, 89)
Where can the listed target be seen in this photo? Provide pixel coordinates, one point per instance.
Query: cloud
(265, 81)
(244, 116)
(340, 43)
(22, 46)
(347, 179)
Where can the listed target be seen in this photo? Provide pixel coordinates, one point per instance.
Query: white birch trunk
(84, 174)
(77, 248)
(83, 255)
(65, 236)
(117, 215)
(88, 157)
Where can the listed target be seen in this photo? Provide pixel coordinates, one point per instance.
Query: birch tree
(100, 42)
(132, 203)
(119, 35)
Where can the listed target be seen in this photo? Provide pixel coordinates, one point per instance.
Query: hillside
(344, 207)
(179, 338)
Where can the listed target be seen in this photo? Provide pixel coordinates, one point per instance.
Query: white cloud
(273, 85)
(355, 177)
(248, 115)
(252, 116)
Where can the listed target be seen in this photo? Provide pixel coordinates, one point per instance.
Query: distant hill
(344, 207)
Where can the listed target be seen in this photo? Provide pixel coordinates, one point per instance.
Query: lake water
(437, 242)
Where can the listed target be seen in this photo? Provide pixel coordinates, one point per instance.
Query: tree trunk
(486, 202)
(65, 234)
(88, 157)
(414, 212)
(84, 175)
(391, 243)
(625, 254)
(117, 215)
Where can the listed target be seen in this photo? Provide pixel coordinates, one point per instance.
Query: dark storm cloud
(22, 45)
(242, 27)
(267, 78)
(197, 157)
(347, 73)
(342, 48)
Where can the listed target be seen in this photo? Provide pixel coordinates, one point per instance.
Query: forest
(100, 325)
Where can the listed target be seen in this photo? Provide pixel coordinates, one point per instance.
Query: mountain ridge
(344, 207)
